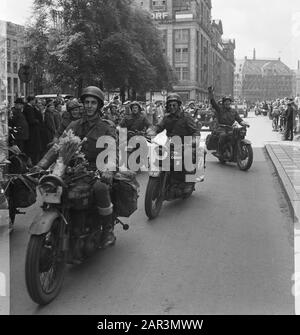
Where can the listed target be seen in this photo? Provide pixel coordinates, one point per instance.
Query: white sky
(270, 26)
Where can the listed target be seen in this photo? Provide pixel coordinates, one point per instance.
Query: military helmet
(229, 98)
(72, 104)
(93, 91)
(112, 104)
(174, 97)
(135, 103)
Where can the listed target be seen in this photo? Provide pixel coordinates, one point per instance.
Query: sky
(272, 27)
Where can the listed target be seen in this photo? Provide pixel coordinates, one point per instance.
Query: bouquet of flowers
(68, 147)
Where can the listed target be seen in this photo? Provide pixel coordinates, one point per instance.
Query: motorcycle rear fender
(43, 223)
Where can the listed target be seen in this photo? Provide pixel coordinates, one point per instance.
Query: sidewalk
(286, 159)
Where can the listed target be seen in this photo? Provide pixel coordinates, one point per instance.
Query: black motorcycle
(169, 185)
(236, 150)
(67, 231)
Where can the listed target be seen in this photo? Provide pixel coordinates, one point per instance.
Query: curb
(289, 190)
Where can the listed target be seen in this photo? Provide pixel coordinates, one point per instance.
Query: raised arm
(213, 102)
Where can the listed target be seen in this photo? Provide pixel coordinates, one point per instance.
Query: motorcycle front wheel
(245, 157)
(153, 198)
(45, 265)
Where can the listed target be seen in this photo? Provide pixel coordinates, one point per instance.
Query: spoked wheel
(245, 157)
(45, 265)
(154, 198)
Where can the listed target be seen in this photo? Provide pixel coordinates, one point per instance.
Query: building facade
(194, 46)
(296, 81)
(262, 79)
(12, 42)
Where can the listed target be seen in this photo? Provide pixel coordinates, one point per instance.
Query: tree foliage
(100, 41)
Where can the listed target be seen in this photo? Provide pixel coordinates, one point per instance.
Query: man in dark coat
(289, 117)
(18, 121)
(33, 144)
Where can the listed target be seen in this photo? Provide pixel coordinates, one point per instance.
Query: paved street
(229, 249)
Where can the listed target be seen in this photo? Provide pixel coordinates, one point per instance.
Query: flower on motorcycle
(68, 148)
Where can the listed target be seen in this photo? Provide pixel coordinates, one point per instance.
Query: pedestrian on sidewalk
(289, 126)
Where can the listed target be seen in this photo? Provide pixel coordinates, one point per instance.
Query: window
(15, 85)
(182, 73)
(15, 44)
(185, 73)
(159, 5)
(9, 85)
(8, 43)
(8, 55)
(182, 35)
(15, 66)
(181, 5)
(181, 55)
(8, 67)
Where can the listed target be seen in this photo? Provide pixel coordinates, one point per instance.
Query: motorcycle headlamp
(48, 187)
(50, 192)
(243, 132)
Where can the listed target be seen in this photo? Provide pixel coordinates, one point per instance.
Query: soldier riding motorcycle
(228, 139)
(78, 216)
(173, 184)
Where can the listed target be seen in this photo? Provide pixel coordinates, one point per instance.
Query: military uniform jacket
(135, 122)
(226, 116)
(92, 129)
(180, 124)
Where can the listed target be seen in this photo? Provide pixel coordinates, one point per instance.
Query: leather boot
(108, 237)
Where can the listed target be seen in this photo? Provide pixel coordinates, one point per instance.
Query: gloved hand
(36, 169)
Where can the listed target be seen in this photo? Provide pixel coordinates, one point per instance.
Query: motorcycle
(68, 231)
(236, 150)
(169, 185)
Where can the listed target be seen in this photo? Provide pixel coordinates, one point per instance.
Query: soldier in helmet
(71, 114)
(179, 123)
(136, 121)
(225, 115)
(176, 121)
(91, 126)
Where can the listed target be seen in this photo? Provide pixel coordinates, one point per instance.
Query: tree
(36, 53)
(101, 41)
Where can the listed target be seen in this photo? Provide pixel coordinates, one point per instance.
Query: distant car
(54, 96)
(242, 109)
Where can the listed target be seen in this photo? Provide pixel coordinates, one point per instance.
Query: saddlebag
(23, 191)
(212, 142)
(80, 195)
(124, 193)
